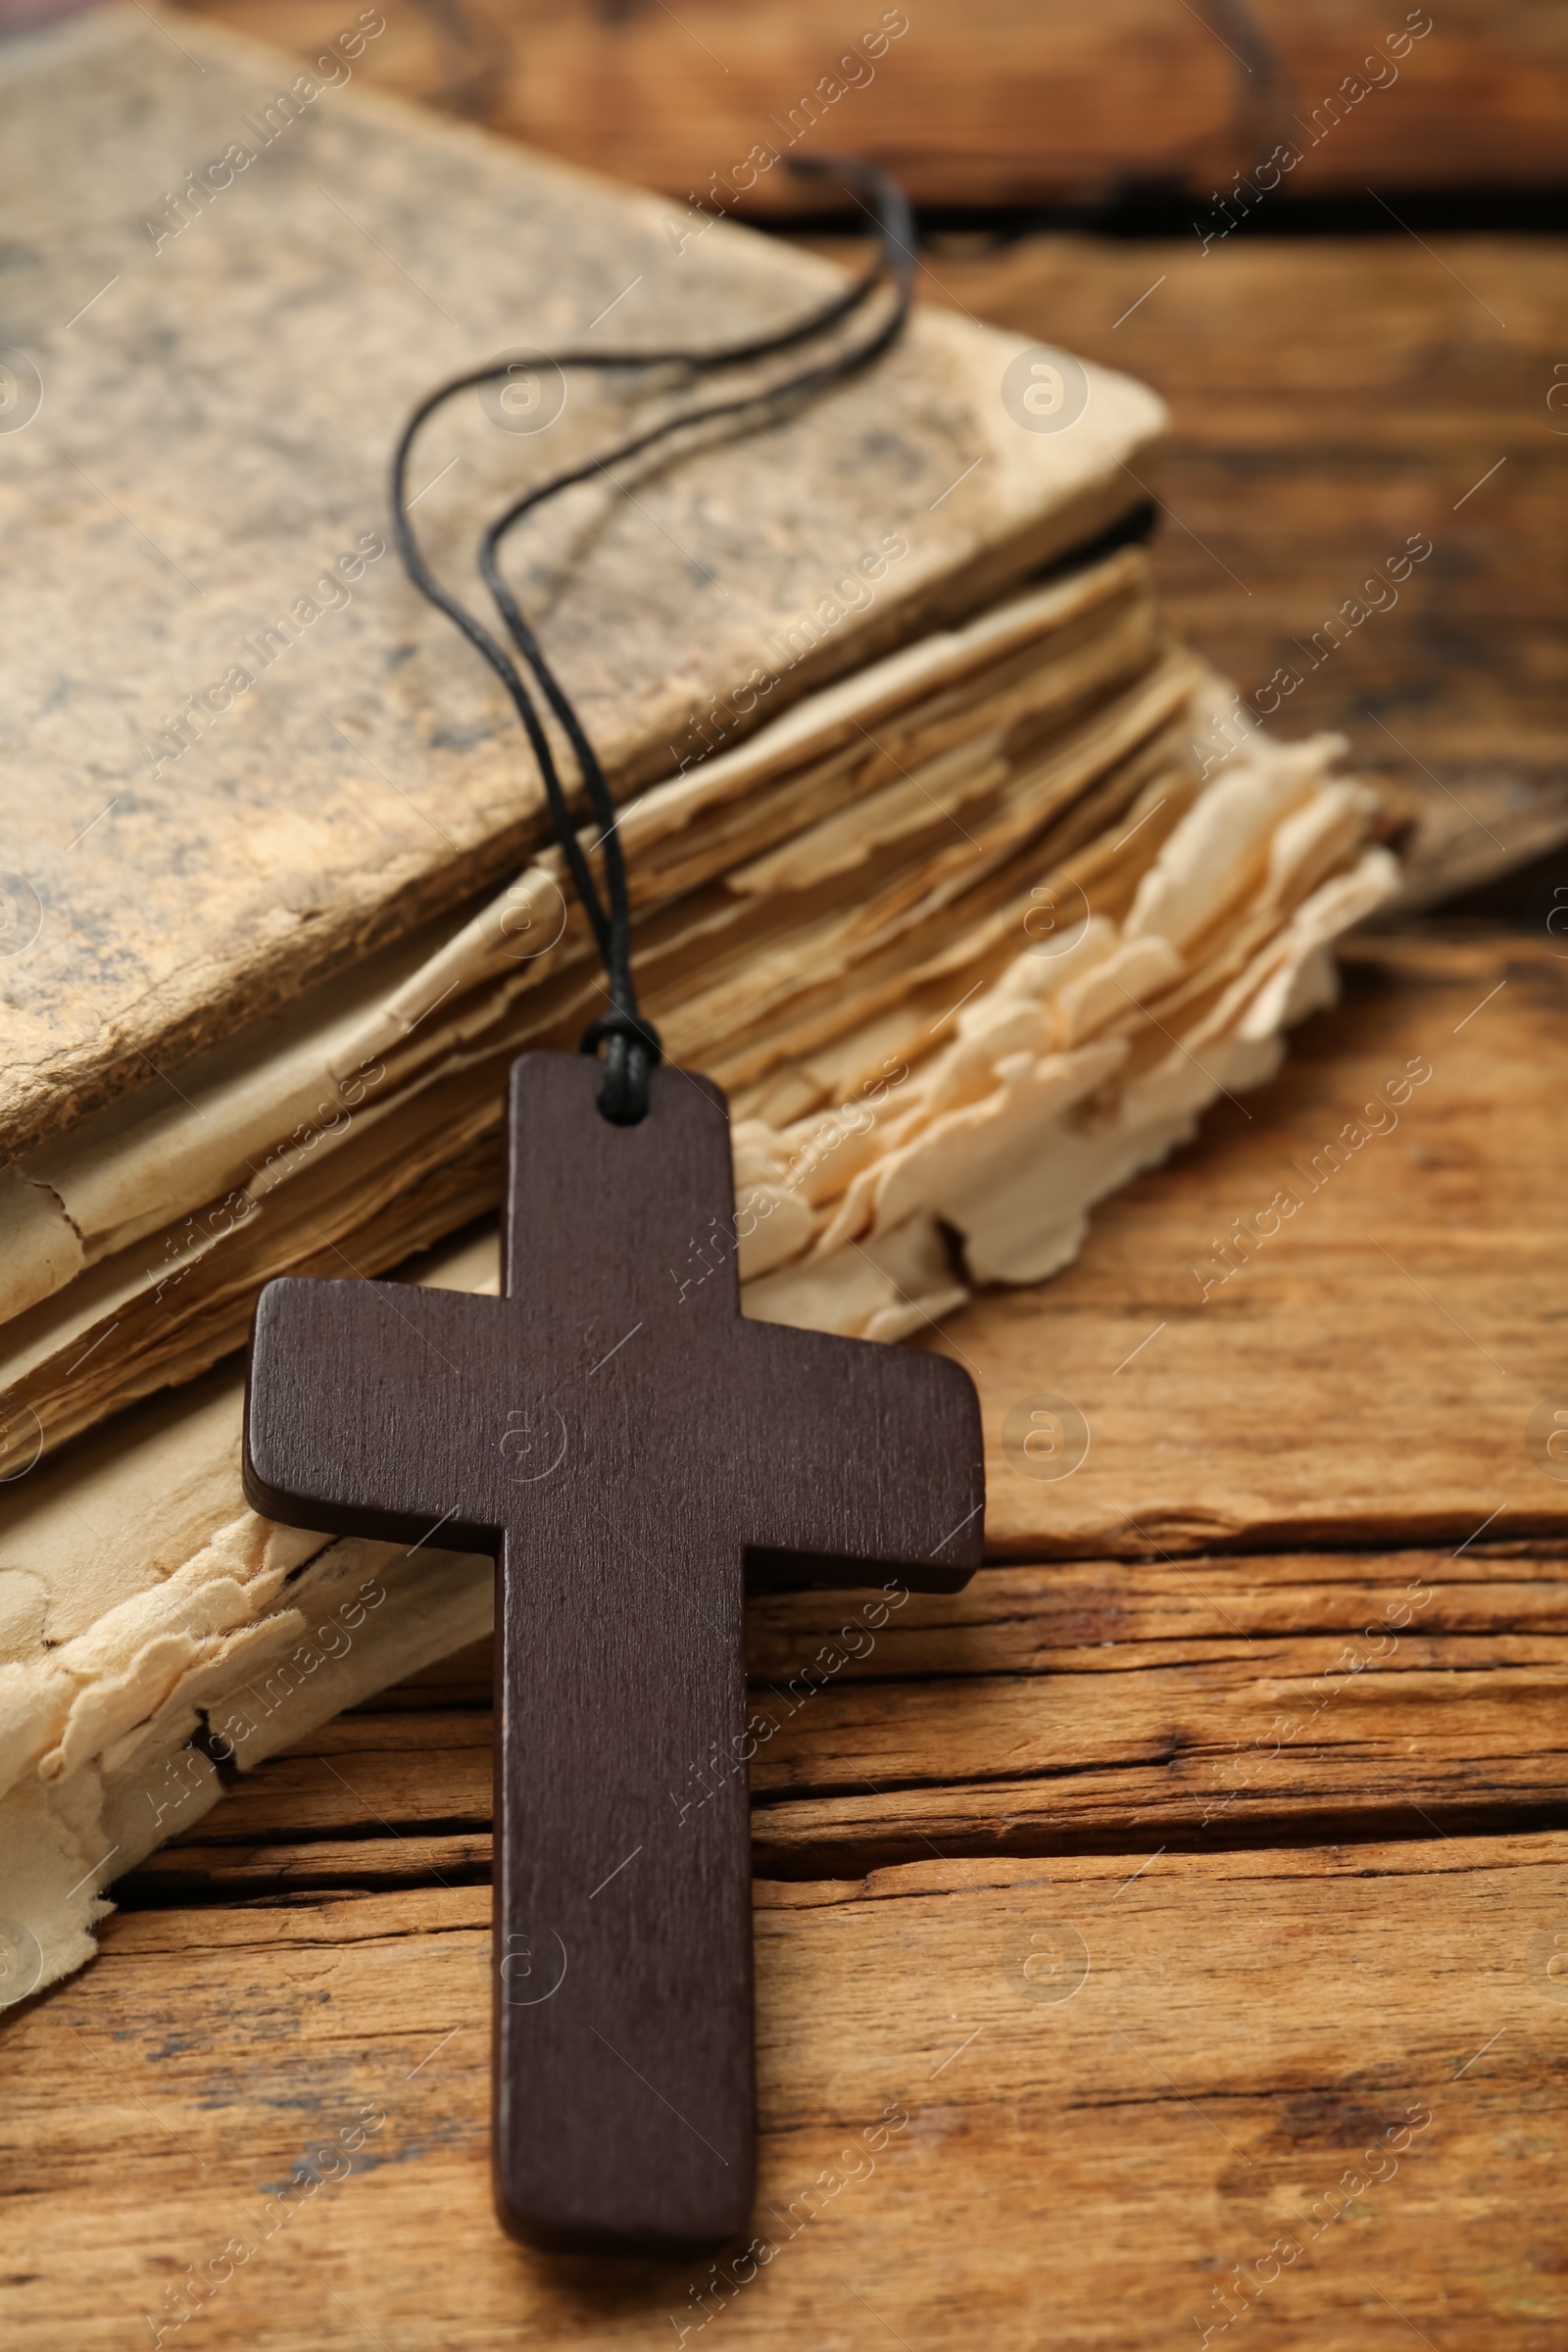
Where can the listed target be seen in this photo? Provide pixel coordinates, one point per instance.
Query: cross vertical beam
(625, 1443)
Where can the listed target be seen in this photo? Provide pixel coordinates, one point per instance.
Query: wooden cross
(627, 1446)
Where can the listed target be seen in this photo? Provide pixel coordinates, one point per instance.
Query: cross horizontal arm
(368, 1411)
(858, 1455)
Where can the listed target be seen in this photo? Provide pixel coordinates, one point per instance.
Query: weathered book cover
(240, 749)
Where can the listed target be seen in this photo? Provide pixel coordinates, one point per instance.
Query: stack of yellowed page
(971, 915)
(971, 938)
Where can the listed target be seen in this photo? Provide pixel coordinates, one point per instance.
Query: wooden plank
(1044, 1710)
(1003, 102)
(1063, 1709)
(1329, 400)
(1369, 1372)
(1003, 2101)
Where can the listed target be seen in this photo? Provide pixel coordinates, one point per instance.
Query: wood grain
(1370, 1373)
(1186, 2056)
(1330, 398)
(1043, 1710)
(1000, 103)
(1007, 2097)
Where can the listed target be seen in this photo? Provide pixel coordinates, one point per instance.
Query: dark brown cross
(627, 1446)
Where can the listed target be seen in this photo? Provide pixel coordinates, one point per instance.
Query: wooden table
(1330, 398)
(991, 102)
(1134, 1896)
(1175, 1925)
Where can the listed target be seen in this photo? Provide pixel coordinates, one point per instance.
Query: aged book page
(786, 893)
(978, 812)
(155, 1635)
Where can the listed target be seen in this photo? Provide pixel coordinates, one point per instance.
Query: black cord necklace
(632, 1044)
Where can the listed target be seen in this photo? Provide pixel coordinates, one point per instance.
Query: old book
(157, 1634)
(921, 873)
(246, 753)
(972, 911)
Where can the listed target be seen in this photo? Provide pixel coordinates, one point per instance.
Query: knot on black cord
(632, 1049)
